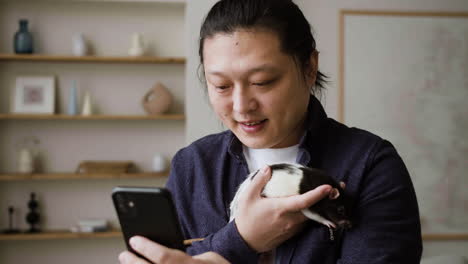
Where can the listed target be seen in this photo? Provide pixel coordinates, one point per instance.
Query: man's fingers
(211, 257)
(258, 182)
(298, 202)
(129, 258)
(153, 251)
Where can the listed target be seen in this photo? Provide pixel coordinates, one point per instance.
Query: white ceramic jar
(137, 46)
(159, 163)
(25, 161)
(79, 45)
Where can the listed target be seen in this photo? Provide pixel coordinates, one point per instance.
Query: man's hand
(265, 223)
(162, 255)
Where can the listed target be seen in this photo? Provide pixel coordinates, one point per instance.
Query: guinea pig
(291, 179)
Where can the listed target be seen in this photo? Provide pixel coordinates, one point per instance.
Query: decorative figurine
(11, 229)
(33, 216)
(23, 41)
(157, 100)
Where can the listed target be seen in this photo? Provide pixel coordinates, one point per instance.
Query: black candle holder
(11, 229)
(33, 216)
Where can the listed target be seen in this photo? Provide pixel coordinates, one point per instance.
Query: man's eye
(263, 83)
(222, 87)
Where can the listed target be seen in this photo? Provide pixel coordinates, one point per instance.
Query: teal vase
(72, 101)
(23, 39)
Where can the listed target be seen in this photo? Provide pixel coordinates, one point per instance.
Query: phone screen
(148, 212)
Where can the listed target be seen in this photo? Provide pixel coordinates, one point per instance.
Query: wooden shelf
(445, 236)
(131, 1)
(79, 176)
(92, 59)
(63, 234)
(92, 117)
(134, 1)
(178, 2)
(58, 234)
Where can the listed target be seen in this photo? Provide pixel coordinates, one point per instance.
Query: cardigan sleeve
(198, 215)
(386, 218)
(228, 243)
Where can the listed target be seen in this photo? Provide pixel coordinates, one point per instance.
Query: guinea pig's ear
(334, 193)
(342, 185)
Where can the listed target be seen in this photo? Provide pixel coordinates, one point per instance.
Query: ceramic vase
(159, 163)
(87, 108)
(79, 45)
(157, 100)
(72, 99)
(137, 46)
(25, 161)
(23, 42)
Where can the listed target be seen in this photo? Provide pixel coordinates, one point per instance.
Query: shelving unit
(121, 130)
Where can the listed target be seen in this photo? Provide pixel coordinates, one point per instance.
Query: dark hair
(281, 16)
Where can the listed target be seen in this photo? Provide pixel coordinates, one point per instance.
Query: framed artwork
(404, 76)
(34, 95)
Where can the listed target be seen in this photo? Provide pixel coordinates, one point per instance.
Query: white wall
(201, 120)
(323, 16)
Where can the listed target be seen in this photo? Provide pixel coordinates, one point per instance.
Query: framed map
(404, 77)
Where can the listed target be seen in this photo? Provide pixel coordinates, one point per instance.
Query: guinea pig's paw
(342, 185)
(329, 224)
(334, 193)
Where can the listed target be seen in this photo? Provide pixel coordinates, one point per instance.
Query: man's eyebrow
(262, 68)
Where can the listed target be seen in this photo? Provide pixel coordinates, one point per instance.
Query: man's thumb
(259, 181)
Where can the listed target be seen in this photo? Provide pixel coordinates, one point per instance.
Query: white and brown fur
(291, 179)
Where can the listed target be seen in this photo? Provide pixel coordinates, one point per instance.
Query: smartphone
(148, 212)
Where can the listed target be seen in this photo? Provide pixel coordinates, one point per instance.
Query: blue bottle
(73, 100)
(23, 39)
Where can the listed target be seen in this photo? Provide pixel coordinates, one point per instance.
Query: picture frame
(409, 91)
(34, 95)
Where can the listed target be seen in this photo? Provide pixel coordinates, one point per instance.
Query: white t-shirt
(257, 159)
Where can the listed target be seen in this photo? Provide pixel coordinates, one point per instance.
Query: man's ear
(313, 68)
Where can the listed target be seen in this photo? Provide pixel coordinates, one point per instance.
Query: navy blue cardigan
(386, 227)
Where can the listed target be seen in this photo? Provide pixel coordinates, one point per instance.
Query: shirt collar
(314, 120)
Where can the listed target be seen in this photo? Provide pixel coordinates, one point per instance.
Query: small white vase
(25, 161)
(137, 48)
(159, 163)
(79, 45)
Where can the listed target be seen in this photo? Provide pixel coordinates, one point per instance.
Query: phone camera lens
(131, 204)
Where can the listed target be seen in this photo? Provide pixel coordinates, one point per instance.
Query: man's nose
(243, 101)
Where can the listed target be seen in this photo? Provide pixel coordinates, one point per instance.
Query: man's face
(256, 90)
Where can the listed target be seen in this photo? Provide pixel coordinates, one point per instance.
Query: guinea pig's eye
(341, 210)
